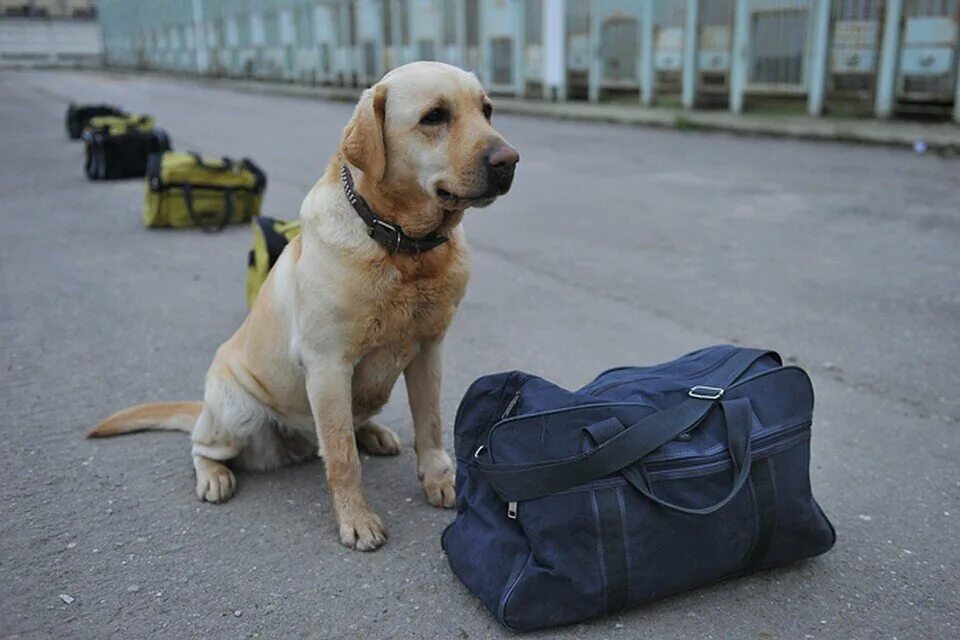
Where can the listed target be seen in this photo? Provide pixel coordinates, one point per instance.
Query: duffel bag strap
(225, 164)
(228, 206)
(524, 481)
(739, 422)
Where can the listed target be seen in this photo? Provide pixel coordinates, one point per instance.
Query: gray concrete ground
(616, 246)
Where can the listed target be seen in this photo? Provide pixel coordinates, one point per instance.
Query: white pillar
(519, 48)
(200, 37)
(691, 45)
(648, 74)
(593, 68)
(739, 58)
(554, 50)
(819, 53)
(889, 59)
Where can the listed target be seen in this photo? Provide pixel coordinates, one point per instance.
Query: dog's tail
(157, 416)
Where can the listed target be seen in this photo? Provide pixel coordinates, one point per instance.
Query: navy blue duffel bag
(645, 482)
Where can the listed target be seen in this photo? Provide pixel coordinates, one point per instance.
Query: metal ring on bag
(704, 392)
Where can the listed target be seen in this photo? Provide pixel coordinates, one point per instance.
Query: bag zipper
(512, 505)
(760, 445)
(511, 405)
(763, 445)
(617, 383)
(591, 405)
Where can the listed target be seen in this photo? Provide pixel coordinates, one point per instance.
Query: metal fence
(891, 55)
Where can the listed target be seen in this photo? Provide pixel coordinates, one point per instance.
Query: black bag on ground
(125, 155)
(645, 482)
(78, 116)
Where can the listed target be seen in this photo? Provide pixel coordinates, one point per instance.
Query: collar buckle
(388, 235)
(394, 229)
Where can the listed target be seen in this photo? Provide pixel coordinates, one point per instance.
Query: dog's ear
(363, 137)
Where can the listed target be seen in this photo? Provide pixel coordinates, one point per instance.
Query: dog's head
(423, 139)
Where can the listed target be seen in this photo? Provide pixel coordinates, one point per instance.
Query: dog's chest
(407, 312)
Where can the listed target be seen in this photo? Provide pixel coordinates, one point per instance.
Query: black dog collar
(388, 234)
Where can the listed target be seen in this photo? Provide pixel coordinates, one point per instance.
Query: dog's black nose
(502, 159)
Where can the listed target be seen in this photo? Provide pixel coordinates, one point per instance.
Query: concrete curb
(940, 137)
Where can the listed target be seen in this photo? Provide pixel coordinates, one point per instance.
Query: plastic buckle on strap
(703, 392)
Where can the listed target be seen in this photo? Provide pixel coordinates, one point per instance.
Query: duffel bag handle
(739, 422)
(525, 481)
(225, 164)
(228, 207)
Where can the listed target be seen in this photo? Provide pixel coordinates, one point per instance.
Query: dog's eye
(487, 111)
(435, 116)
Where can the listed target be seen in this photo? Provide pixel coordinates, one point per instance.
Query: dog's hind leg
(215, 481)
(376, 439)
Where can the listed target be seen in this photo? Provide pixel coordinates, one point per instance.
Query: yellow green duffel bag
(185, 190)
(270, 236)
(116, 125)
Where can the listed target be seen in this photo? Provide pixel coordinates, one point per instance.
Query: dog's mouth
(453, 201)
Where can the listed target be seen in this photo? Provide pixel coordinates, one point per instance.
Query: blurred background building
(850, 57)
(58, 33)
(49, 8)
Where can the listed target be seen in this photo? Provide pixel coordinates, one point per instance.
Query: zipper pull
(512, 510)
(510, 407)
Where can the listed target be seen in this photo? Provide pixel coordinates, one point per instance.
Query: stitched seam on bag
(626, 538)
(754, 539)
(600, 551)
(502, 609)
(776, 512)
(751, 562)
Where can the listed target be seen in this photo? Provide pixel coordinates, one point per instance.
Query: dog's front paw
(436, 476)
(362, 530)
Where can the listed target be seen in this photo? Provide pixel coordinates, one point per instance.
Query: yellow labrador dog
(366, 292)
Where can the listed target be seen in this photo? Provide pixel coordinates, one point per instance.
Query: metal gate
(668, 45)
(577, 46)
(716, 41)
(855, 48)
(778, 51)
(473, 35)
(928, 53)
(533, 42)
(619, 44)
(501, 61)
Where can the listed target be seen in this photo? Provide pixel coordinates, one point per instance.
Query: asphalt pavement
(617, 245)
